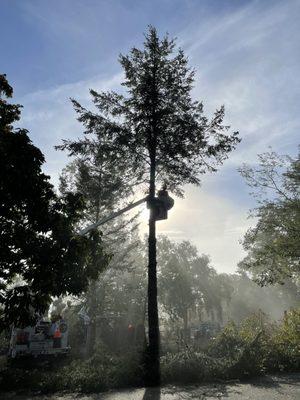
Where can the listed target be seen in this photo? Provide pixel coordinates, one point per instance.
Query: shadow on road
(212, 391)
(224, 389)
(279, 387)
(152, 393)
(276, 381)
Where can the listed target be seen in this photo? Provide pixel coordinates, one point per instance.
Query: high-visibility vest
(57, 334)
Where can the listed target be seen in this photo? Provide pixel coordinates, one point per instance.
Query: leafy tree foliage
(96, 176)
(103, 187)
(287, 341)
(273, 244)
(188, 284)
(121, 292)
(104, 190)
(37, 242)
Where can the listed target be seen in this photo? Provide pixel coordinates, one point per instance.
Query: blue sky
(247, 57)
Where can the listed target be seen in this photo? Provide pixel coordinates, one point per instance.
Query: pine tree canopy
(155, 121)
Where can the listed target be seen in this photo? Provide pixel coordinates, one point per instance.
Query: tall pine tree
(160, 135)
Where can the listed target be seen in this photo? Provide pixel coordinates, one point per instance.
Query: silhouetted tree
(188, 283)
(161, 135)
(40, 256)
(273, 244)
(103, 188)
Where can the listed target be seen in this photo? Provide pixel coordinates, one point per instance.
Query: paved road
(283, 387)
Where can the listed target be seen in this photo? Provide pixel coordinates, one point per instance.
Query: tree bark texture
(153, 368)
(91, 336)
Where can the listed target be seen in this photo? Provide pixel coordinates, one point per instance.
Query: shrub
(254, 347)
(189, 366)
(4, 342)
(246, 347)
(85, 376)
(285, 354)
(227, 344)
(82, 376)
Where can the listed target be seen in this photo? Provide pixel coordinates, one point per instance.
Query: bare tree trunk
(153, 368)
(91, 331)
(185, 326)
(92, 328)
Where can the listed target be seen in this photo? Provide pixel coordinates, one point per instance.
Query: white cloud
(49, 116)
(248, 60)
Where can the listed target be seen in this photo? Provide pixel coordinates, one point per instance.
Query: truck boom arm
(111, 216)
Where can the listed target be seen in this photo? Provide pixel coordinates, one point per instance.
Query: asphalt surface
(280, 387)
